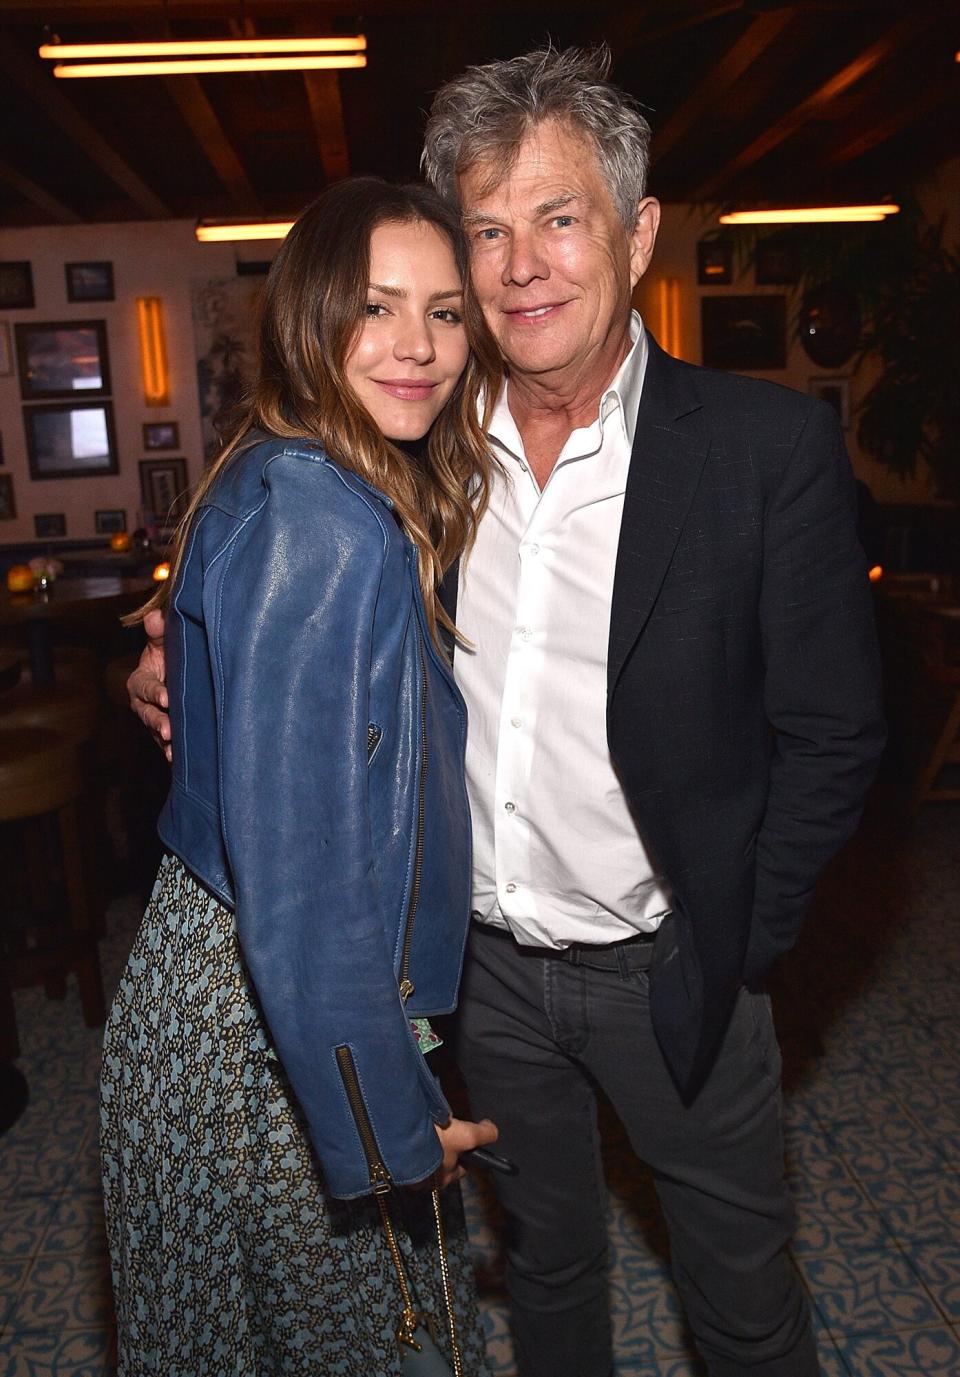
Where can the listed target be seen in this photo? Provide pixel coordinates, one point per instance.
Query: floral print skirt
(228, 1257)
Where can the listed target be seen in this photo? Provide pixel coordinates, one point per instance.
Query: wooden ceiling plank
(326, 112)
(751, 45)
(890, 42)
(204, 123)
(867, 139)
(624, 28)
(40, 88)
(37, 196)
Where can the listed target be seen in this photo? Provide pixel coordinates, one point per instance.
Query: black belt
(607, 956)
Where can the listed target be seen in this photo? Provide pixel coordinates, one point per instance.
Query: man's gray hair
(485, 115)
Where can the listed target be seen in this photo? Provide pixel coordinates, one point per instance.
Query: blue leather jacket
(318, 791)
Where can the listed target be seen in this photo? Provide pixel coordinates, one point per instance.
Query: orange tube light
(669, 306)
(205, 47)
(224, 232)
(153, 351)
(809, 215)
(201, 66)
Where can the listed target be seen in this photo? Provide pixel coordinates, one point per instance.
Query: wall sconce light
(153, 351)
(669, 302)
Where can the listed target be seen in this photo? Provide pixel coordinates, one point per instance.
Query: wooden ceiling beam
(326, 114)
(818, 102)
(41, 88)
(37, 196)
(204, 123)
(872, 135)
(629, 26)
(751, 45)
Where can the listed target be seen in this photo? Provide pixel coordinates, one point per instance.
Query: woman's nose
(414, 341)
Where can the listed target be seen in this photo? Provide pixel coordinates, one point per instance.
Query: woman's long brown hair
(311, 311)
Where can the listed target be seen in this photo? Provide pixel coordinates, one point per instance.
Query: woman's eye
(448, 314)
(374, 308)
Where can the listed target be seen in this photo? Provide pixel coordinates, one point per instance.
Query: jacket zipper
(380, 1180)
(379, 1176)
(374, 734)
(406, 984)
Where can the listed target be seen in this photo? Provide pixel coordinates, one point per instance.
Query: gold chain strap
(447, 1288)
(411, 1316)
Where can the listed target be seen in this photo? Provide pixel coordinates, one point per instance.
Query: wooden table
(72, 601)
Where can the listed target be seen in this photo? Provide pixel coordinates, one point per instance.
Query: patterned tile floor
(868, 1013)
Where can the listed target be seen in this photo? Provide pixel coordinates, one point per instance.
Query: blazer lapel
(669, 449)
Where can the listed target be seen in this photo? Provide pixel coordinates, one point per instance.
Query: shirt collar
(621, 395)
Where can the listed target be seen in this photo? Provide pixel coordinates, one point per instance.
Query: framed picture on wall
(163, 488)
(744, 332)
(63, 358)
(46, 525)
(89, 281)
(6, 353)
(16, 286)
(775, 262)
(714, 262)
(8, 505)
(1, 449)
(70, 440)
(161, 435)
(836, 393)
(110, 521)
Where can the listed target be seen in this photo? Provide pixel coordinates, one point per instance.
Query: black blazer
(744, 707)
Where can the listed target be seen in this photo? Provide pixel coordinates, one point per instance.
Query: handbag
(419, 1354)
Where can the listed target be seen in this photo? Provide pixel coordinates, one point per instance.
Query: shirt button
(515, 721)
(534, 549)
(525, 633)
(511, 888)
(510, 807)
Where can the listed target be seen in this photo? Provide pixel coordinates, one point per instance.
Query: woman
(262, 1079)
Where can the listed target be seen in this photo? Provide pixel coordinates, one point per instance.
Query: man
(674, 718)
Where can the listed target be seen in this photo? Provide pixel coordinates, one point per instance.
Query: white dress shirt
(557, 858)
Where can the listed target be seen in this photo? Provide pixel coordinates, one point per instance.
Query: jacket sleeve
(292, 654)
(822, 687)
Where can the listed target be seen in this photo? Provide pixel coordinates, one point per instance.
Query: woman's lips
(407, 389)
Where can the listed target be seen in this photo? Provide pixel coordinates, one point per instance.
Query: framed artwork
(1, 449)
(836, 392)
(62, 358)
(830, 324)
(8, 505)
(744, 332)
(714, 262)
(775, 262)
(161, 435)
(16, 286)
(70, 440)
(89, 281)
(6, 353)
(46, 525)
(163, 488)
(110, 520)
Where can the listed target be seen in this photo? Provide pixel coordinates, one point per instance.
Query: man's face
(551, 263)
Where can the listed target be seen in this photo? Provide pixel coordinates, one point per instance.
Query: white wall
(150, 258)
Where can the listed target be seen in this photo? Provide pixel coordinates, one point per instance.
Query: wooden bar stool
(41, 775)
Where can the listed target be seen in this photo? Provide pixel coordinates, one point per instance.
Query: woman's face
(411, 347)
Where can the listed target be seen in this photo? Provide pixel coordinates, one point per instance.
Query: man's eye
(489, 233)
(563, 221)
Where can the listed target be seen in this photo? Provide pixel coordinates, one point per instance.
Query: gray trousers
(535, 1033)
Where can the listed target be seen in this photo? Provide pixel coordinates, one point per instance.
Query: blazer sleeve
(292, 657)
(822, 684)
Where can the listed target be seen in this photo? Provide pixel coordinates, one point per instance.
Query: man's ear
(644, 237)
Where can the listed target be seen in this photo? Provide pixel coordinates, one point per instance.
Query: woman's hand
(460, 1135)
(146, 687)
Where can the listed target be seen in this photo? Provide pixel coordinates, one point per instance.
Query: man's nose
(525, 262)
